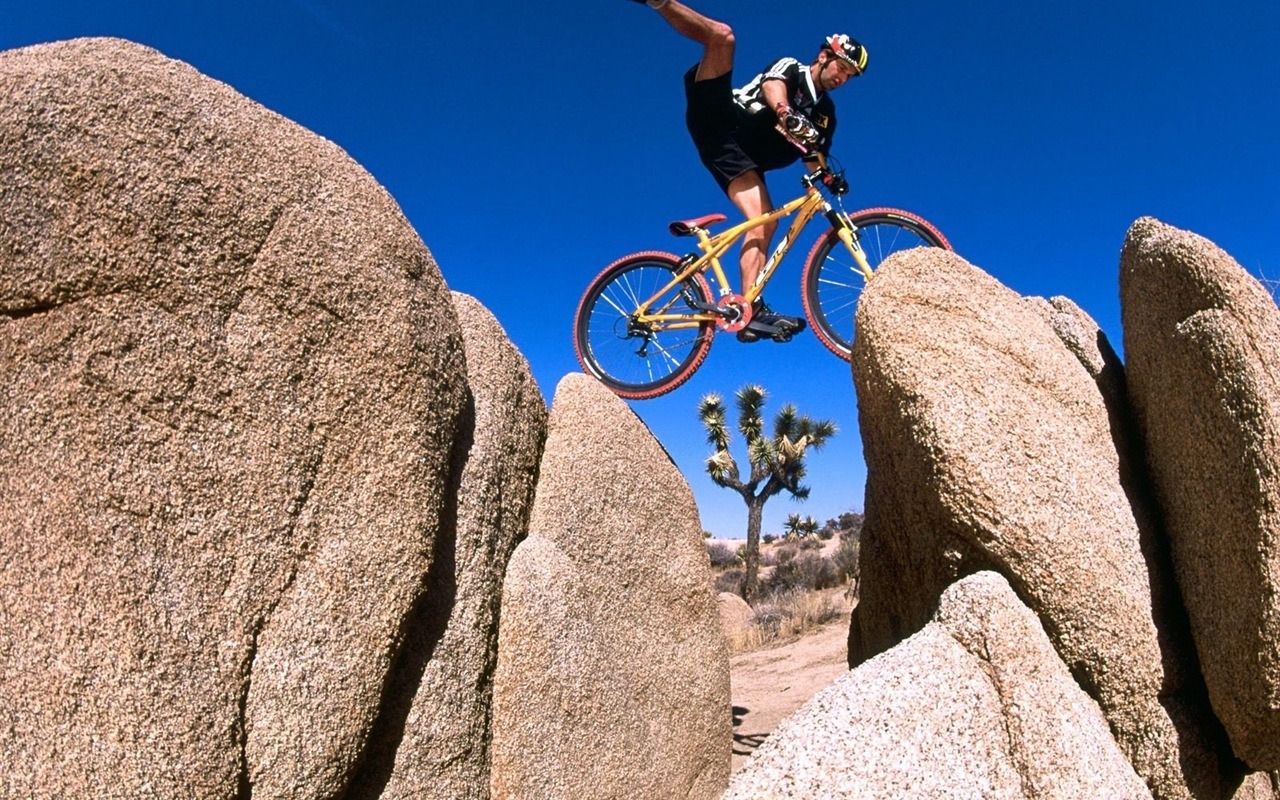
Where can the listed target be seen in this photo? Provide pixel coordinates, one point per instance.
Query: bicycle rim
(641, 361)
(832, 281)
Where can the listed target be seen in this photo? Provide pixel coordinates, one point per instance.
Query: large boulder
(989, 446)
(613, 674)
(436, 740)
(1086, 340)
(231, 380)
(976, 704)
(1202, 339)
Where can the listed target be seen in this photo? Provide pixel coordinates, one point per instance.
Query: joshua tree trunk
(750, 580)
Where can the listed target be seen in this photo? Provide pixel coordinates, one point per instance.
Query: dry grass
(787, 616)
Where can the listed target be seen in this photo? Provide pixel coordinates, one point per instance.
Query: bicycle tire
(831, 285)
(611, 350)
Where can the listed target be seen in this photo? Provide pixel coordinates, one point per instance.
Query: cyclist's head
(848, 51)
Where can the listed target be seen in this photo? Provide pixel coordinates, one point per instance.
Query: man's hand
(794, 124)
(799, 127)
(836, 184)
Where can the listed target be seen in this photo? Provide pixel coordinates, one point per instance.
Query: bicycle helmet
(848, 50)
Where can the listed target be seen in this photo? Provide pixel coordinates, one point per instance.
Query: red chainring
(735, 324)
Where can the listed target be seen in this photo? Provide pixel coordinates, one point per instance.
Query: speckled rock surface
(1258, 786)
(736, 615)
(975, 705)
(230, 379)
(1079, 332)
(988, 446)
(1086, 340)
(440, 701)
(1203, 342)
(613, 676)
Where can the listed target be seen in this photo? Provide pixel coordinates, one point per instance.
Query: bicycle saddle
(685, 227)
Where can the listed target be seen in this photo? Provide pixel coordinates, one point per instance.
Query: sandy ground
(769, 685)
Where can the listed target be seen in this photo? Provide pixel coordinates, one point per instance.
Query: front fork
(845, 229)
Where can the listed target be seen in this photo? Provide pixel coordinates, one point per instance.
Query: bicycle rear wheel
(832, 282)
(641, 360)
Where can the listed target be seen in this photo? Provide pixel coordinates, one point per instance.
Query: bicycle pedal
(782, 338)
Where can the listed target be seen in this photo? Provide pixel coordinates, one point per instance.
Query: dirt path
(769, 685)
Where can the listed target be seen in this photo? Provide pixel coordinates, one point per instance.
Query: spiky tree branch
(750, 407)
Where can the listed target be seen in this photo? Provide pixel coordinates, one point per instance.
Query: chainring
(734, 323)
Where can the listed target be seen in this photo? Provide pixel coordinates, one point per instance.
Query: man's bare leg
(748, 191)
(750, 194)
(715, 37)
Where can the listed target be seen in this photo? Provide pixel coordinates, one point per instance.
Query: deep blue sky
(532, 143)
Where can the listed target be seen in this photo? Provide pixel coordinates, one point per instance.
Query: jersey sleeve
(785, 69)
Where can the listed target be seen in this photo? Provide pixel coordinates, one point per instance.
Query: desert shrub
(810, 543)
(720, 554)
(848, 523)
(807, 571)
(769, 538)
(729, 581)
(827, 533)
(786, 616)
(846, 557)
(785, 553)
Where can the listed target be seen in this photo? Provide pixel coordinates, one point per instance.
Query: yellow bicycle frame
(804, 207)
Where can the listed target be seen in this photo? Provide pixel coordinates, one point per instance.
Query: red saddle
(687, 227)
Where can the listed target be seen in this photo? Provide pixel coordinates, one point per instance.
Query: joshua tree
(777, 462)
(798, 527)
(791, 528)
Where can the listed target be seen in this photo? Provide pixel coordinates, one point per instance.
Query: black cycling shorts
(713, 118)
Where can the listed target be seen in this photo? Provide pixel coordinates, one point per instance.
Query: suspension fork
(845, 229)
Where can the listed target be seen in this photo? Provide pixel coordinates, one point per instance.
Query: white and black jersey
(735, 133)
(759, 121)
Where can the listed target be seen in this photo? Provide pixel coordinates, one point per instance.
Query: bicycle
(646, 322)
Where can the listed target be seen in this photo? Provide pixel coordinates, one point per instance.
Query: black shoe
(747, 336)
(781, 323)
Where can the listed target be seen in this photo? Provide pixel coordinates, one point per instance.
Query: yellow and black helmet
(847, 49)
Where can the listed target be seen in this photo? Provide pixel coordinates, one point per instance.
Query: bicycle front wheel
(832, 282)
(639, 360)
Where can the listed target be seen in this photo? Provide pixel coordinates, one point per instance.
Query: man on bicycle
(735, 131)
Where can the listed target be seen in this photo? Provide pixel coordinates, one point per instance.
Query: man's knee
(718, 51)
(722, 36)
